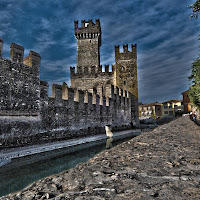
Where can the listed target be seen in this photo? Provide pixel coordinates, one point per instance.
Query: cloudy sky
(167, 39)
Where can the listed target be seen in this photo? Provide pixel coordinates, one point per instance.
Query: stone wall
(69, 113)
(19, 84)
(87, 78)
(28, 115)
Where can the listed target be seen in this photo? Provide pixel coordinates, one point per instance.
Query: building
(96, 99)
(169, 108)
(152, 110)
(89, 72)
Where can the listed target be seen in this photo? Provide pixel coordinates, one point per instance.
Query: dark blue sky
(167, 39)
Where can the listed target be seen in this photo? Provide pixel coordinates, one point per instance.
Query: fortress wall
(28, 115)
(61, 118)
(82, 114)
(87, 78)
(19, 84)
(19, 93)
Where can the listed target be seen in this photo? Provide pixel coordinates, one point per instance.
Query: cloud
(165, 36)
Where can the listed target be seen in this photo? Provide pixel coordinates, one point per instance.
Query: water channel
(21, 172)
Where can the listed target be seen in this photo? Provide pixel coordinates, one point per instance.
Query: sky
(166, 38)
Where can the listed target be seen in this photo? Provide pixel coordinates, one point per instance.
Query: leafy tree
(195, 76)
(195, 8)
(194, 91)
(194, 95)
(153, 114)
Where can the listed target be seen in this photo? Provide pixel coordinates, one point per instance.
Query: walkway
(7, 154)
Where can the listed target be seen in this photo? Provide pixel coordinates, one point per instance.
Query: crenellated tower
(88, 43)
(89, 74)
(125, 75)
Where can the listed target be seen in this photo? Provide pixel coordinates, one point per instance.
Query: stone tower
(88, 43)
(125, 75)
(89, 72)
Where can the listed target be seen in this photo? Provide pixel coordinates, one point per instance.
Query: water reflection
(109, 143)
(23, 171)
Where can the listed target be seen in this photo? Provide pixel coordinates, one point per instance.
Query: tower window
(124, 82)
(90, 41)
(123, 68)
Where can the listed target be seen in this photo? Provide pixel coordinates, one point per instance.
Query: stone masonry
(28, 115)
(89, 72)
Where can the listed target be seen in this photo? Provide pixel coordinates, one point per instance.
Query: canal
(21, 172)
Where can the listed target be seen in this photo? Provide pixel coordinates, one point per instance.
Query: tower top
(87, 30)
(126, 54)
(87, 26)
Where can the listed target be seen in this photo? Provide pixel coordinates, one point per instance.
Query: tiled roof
(151, 104)
(173, 101)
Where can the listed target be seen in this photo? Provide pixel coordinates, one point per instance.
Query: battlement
(87, 24)
(44, 83)
(125, 48)
(16, 53)
(88, 29)
(19, 80)
(126, 53)
(17, 57)
(92, 71)
(33, 59)
(62, 92)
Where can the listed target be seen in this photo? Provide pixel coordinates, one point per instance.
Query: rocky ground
(161, 164)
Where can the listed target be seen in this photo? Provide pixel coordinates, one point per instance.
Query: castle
(89, 71)
(94, 100)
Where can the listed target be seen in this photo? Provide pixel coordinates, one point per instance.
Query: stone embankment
(161, 164)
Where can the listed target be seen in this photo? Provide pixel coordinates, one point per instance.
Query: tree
(194, 91)
(153, 114)
(194, 95)
(195, 8)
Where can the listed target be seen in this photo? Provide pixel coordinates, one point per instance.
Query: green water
(22, 172)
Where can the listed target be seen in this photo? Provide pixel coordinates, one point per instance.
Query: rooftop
(173, 101)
